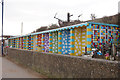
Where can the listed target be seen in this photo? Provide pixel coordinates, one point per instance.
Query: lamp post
(2, 23)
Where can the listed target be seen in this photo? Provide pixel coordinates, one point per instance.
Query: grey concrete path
(9, 69)
(0, 67)
(12, 70)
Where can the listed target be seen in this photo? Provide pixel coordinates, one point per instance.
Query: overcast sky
(36, 13)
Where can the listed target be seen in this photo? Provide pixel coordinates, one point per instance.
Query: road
(9, 69)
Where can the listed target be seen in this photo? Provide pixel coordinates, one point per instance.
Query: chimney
(68, 17)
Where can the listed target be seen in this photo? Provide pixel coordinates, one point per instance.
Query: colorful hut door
(34, 42)
(66, 42)
(83, 40)
(103, 36)
(46, 45)
(96, 35)
(80, 41)
(19, 42)
(14, 43)
(109, 34)
(55, 42)
(39, 39)
(29, 42)
(115, 35)
(39, 42)
(99, 35)
(22, 43)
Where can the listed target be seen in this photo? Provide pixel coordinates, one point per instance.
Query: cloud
(36, 13)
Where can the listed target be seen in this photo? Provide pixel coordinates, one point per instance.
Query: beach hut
(71, 40)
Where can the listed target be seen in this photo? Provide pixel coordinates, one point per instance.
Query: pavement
(0, 67)
(10, 69)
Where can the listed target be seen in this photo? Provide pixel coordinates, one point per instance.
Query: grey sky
(36, 13)
(119, 7)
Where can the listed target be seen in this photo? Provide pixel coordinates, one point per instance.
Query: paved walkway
(12, 70)
(0, 68)
(9, 69)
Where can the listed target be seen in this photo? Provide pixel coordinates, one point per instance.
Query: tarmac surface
(10, 69)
